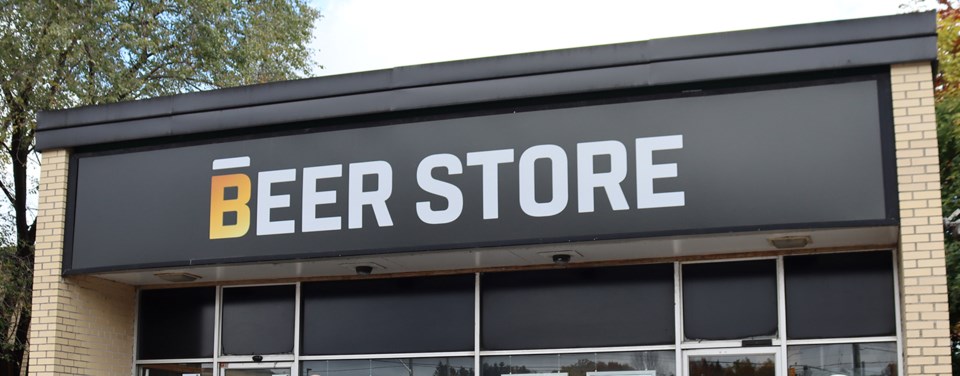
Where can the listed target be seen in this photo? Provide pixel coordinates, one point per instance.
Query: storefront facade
(762, 202)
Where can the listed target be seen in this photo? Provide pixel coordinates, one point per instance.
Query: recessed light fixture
(562, 257)
(177, 277)
(363, 268)
(787, 242)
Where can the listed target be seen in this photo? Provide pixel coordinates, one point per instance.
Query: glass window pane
(663, 363)
(258, 372)
(258, 320)
(445, 366)
(730, 300)
(726, 365)
(614, 306)
(840, 295)
(404, 315)
(176, 323)
(857, 359)
(181, 369)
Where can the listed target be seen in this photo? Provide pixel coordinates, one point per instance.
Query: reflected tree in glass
(856, 359)
(454, 366)
(582, 366)
(179, 369)
(446, 369)
(501, 368)
(662, 362)
(748, 365)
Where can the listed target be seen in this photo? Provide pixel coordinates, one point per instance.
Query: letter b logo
(220, 206)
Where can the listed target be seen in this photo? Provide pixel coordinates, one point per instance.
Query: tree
(947, 95)
(61, 54)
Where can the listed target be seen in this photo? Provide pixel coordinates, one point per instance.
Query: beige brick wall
(924, 312)
(80, 325)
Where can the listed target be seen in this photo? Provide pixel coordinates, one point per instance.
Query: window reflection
(257, 372)
(180, 369)
(459, 366)
(728, 365)
(663, 362)
(856, 359)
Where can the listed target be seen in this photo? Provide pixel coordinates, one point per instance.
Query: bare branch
(7, 193)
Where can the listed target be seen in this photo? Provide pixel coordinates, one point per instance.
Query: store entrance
(760, 361)
(257, 369)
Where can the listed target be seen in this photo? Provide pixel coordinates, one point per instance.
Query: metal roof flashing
(739, 54)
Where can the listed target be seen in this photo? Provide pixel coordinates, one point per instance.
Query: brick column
(80, 325)
(923, 294)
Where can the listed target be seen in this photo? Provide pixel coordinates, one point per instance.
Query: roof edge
(534, 63)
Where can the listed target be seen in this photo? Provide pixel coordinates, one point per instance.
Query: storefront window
(856, 359)
(258, 320)
(730, 300)
(726, 365)
(180, 369)
(605, 321)
(403, 315)
(839, 295)
(176, 323)
(257, 372)
(663, 363)
(613, 306)
(443, 366)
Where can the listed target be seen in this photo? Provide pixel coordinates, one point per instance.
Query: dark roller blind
(615, 306)
(840, 295)
(176, 323)
(258, 320)
(425, 314)
(730, 300)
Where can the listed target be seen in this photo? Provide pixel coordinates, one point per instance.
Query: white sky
(361, 35)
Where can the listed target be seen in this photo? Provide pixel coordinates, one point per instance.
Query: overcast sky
(361, 35)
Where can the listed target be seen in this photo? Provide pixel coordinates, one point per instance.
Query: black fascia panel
(789, 49)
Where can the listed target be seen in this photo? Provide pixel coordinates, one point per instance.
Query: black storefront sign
(805, 156)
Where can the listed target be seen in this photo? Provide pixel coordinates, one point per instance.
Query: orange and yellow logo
(221, 205)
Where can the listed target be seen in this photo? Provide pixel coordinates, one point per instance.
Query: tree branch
(7, 192)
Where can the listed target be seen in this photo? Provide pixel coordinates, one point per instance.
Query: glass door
(257, 369)
(755, 361)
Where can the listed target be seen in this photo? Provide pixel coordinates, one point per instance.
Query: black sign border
(880, 75)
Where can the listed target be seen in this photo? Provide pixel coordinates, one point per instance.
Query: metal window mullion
(476, 324)
(895, 254)
(577, 350)
(735, 351)
(296, 332)
(165, 361)
(218, 308)
(782, 366)
(258, 285)
(388, 356)
(136, 330)
(840, 341)
(680, 368)
(719, 344)
(733, 259)
(247, 358)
